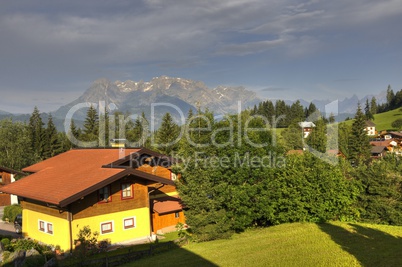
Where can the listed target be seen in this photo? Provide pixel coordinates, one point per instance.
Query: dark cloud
(58, 46)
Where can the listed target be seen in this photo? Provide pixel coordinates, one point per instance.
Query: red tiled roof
(67, 174)
(169, 205)
(8, 170)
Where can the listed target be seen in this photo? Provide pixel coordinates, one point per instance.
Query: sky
(52, 51)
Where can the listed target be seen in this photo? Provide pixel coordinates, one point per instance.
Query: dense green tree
(367, 111)
(397, 124)
(91, 128)
(220, 181)
(359, 145)
(281, 112)
(268, 111)
(73, 134)
(344, 133)
(380, 200)
(52, 142)
(373, 106)
(317, 139)
(309, 189)
(390, 95)
(167, 136)
(296, 112)
(293, 137)
(138, 132)
(37, 132)
(15, 145)
(310, 110)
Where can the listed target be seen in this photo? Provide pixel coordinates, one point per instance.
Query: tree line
(235, 172)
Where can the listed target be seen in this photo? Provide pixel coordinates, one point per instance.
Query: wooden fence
(111, 261)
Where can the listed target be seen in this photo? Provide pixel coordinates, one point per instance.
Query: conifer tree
(367, 111)
(138, 131)
(36, 131)
(317, 139)
(373, 106)
(167, 135)
(359, 145)
(52, 143)
(75, 132)
(91, 126)
(310, 110)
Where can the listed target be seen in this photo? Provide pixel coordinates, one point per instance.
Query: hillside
(297, 244)
(384, 120)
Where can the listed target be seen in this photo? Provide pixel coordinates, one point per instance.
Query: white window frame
(45, 228)
(108, 232)
(124, 190)
(131, 227)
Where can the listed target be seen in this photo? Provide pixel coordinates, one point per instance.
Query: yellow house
(110, 190)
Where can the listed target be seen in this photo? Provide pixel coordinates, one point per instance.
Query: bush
(6, 243)
(27, 244)
(10, 212)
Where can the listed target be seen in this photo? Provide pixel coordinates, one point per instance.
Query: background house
(307, 127)
(370, 128)
(8, 176)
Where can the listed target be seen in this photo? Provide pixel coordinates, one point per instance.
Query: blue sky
(51, 51)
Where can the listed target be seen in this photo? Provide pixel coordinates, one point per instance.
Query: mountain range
(164, 94)
(176, 96)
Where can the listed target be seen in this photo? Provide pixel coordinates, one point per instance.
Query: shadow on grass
(176, 257)
(371, 247)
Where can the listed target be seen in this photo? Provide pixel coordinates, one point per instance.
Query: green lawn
(297, 244)
(384, 120)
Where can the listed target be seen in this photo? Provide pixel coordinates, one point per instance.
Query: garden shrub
(10, 212)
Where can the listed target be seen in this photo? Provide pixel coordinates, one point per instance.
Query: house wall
(118, 234)
(90, 206)
(30, 225)
(166, 220)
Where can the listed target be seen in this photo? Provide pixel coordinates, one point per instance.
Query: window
(177, 214)
(50, 228)
(126, 191)
(104, 194)
(106, 227)
(45, 227)
(41, 226)
(129, 223)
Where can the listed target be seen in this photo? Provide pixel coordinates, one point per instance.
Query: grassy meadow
(296, 244)
(384, 120)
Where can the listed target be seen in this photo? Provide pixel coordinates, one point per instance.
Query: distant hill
(384, 120)
(2, 112)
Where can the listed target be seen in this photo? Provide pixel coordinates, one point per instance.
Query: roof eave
(146, 176)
